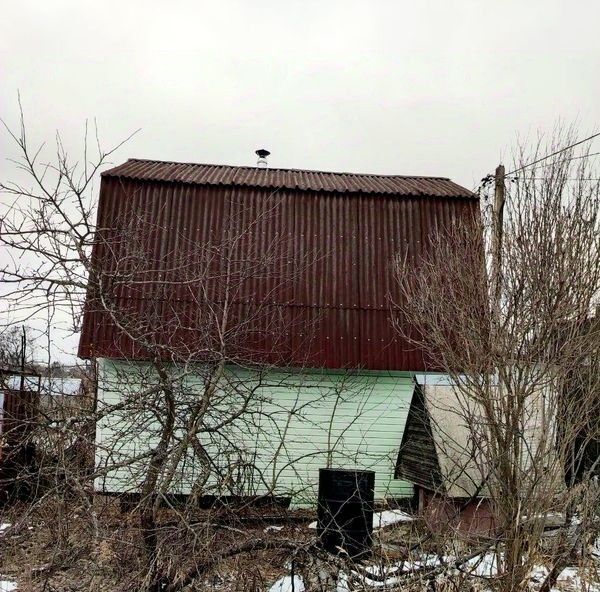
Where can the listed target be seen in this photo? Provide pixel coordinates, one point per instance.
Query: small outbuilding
(19, 399)
(444, 453)
(440, 456)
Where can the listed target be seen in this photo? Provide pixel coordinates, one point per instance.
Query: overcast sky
(425, 88)
(429, 88)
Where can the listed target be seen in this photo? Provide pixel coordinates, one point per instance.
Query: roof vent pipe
(262, 158)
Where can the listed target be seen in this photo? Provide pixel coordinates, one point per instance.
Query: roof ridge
(234, 166)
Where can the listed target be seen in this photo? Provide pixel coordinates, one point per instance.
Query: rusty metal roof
(296, 179)
(310, 264)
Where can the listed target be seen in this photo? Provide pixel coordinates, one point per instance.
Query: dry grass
(61, 547)
(57, 546)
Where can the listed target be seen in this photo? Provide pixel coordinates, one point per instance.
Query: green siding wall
(302, 421)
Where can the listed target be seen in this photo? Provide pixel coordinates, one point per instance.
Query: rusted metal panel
(18, 410)
(17, 420)
(305, 275)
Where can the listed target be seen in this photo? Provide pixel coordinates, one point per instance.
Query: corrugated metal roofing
(307, 274)
(221, 175)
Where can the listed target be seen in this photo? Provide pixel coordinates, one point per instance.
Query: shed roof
(297, 179)
(454, 425)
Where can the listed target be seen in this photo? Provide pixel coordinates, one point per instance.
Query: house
(286, 277)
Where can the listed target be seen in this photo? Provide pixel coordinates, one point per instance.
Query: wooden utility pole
(497, 230)
(23, 354)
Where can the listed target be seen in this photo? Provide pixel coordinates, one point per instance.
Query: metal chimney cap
(262, 153)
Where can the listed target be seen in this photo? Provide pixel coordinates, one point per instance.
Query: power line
(578, 157)
(584, 156)
(553, 154)
(488, 178)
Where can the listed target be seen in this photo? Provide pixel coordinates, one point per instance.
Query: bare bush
(508, 313)
(186, 409)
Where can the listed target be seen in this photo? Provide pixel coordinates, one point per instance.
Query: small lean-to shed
(320, 246)
(443, 453)
(438, 456)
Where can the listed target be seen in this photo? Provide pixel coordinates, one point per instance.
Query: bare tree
(513, 340)
(198, 420)
(189, 423)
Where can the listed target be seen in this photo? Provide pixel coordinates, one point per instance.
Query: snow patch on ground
(287, 584)
(538, 574)
(6, 585)
(484, 566)
(382, 519)
(571, 576)
(387, 517)
(342, 583)
(272, 527)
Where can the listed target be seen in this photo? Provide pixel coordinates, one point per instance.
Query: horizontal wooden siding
(306, 421)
